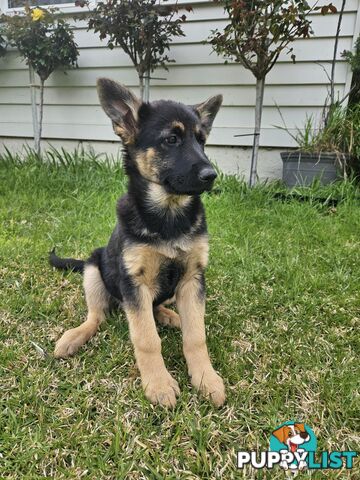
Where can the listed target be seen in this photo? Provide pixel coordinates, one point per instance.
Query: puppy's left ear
(207, 111)
(121, 105)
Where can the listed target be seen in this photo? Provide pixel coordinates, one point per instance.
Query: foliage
(353, 117)
(259, 31)
(43, 38)
(340, 134)
(142, 28)
(2, 42)
(255, 36)
(353, 58)
(46, 42)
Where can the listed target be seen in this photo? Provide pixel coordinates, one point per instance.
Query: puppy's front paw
(210, 384)
(161, 388)
(69, 343)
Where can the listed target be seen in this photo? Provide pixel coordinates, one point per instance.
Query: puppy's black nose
(207, 175)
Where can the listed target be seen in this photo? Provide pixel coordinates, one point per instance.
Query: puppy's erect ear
(281, 434)
(207, 111)
(121, 105)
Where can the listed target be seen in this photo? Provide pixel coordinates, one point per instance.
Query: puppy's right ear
(122, 106)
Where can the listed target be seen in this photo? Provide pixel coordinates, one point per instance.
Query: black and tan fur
(159, 248)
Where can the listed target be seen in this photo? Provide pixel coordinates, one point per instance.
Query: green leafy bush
(43, 38)
(353, 58)
(354, 118)
(2, 43)
(142, 28)
(340, 134)
(46, 42)
(256, 34)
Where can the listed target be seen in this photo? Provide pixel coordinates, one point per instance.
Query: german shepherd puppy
(159, 248)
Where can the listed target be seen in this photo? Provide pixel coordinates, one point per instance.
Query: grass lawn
(283, 314)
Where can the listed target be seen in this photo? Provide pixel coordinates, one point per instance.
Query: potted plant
(324, 152)
(327, 151)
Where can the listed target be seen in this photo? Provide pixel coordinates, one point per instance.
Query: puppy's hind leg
(167, 317)
(97, 300)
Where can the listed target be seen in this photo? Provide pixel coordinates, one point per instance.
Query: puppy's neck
(159, 200)
(168, 215)
(152, 197)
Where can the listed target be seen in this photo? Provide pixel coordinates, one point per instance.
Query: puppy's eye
(171, 139)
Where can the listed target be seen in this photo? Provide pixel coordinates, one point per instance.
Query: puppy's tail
(66, 263)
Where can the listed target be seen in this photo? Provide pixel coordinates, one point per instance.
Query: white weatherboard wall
(72, 112)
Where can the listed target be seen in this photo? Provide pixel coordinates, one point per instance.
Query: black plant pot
(301, 169)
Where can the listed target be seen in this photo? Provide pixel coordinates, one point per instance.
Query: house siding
(72, 109)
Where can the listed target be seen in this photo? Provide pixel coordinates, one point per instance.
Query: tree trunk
(141, 85)
(147, 87)
(34, 108)
(332, 79)
(260, 84)
(41, 110)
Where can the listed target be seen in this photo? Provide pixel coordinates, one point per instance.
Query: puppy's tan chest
(144, 263)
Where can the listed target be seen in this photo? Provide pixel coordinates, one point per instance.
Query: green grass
(283, 314)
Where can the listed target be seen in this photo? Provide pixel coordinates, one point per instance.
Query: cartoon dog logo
(293, 436)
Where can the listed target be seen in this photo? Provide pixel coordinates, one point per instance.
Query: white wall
(71, 105)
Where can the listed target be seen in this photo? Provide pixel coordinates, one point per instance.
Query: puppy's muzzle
(207, 175)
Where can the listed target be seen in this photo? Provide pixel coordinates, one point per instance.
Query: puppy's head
(292, 435)
(164, 139)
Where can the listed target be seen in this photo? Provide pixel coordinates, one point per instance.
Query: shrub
(46, 42)
(255, 36)
(142, 28)
(2, 43)
(353, 58)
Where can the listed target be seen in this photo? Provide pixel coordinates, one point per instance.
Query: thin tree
(143, 29)
(257, 33)
(332, 77)
(46, 42)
